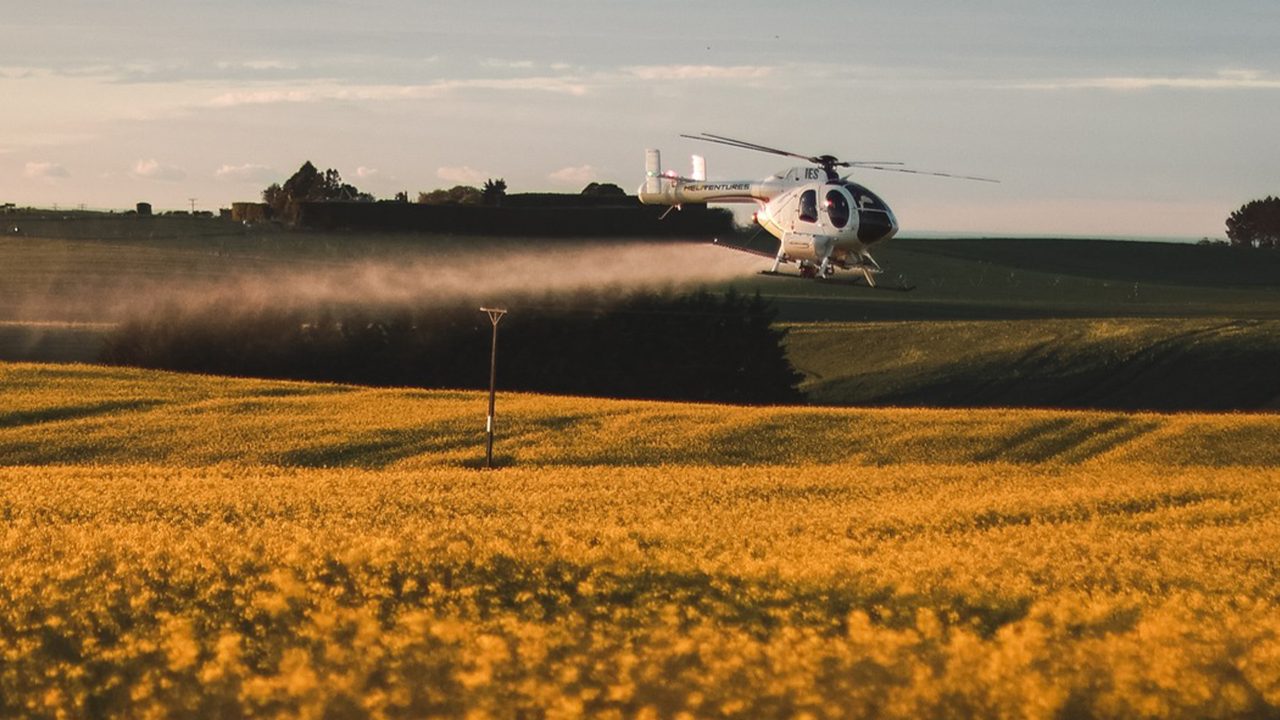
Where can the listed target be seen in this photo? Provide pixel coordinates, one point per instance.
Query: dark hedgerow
(700, 347)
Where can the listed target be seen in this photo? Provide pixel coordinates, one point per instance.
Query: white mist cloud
(463, 175)
(580, 175)
(154, 170)
(45, 171)
(414, 277)
(365, 173)
(246, 173)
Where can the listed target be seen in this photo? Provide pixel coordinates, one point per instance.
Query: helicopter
(823, 221)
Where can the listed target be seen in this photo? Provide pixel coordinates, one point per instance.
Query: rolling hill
(990, 322)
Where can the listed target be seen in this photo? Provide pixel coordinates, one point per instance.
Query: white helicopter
(822, 221)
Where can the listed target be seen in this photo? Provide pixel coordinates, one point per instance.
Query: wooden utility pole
(495, 315)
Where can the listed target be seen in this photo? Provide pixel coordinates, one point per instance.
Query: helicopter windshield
(875, 222)
(864, 198)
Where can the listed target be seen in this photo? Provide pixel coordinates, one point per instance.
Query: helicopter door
(836, 203)
(809, 206)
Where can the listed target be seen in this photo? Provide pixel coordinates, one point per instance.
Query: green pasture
(1034, 322)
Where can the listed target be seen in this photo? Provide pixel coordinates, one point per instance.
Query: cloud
(578, 176)
(509, 64)
(1223, 80)
(256, 65)
(463, 175)
(153, 170)
(699, 72)
(364, 173)
(45, 171)
(20, 72)
(246, 173)
(325, 92)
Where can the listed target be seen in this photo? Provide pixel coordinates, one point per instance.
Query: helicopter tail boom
(668, 188)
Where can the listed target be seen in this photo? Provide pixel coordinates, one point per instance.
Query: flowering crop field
(179, 546)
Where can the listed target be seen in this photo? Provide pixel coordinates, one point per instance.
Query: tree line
(309, 185)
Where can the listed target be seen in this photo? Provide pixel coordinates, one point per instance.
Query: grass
(1121, 363)
(992, 322)
(65, 267)
(1051, 323)
(1004, 279)
(208, 546)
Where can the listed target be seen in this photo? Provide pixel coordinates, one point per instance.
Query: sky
(1116, 118)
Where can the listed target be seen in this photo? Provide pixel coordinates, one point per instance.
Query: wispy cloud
(699, 72)
(1223, 80)
(246, 173)
(507, 64)
(19, 72)
(48, 171)
(463, 175)
(256, 65)
(365, 173)
(314, 93)
(579, 175)
(155, 170)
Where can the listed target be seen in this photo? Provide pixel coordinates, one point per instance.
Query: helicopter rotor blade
(744, 145)
(751, 145)
(925, 172)
(828, 161)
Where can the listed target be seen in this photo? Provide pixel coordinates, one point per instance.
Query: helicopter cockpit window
(837, 208)
(809, 206)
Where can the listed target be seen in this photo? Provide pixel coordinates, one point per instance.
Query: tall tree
(309, 185)
(493, 191)
(1256, 224)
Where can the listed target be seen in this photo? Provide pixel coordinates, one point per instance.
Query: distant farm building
(144, 209)
(250, 212)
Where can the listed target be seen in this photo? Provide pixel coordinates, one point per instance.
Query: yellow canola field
(181, 576)
(59, 414)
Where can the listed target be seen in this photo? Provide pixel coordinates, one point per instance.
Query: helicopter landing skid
(847, 281)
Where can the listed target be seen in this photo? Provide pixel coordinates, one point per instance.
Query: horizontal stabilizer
(740, 248)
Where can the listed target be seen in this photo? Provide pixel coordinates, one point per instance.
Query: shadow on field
(71, 412)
